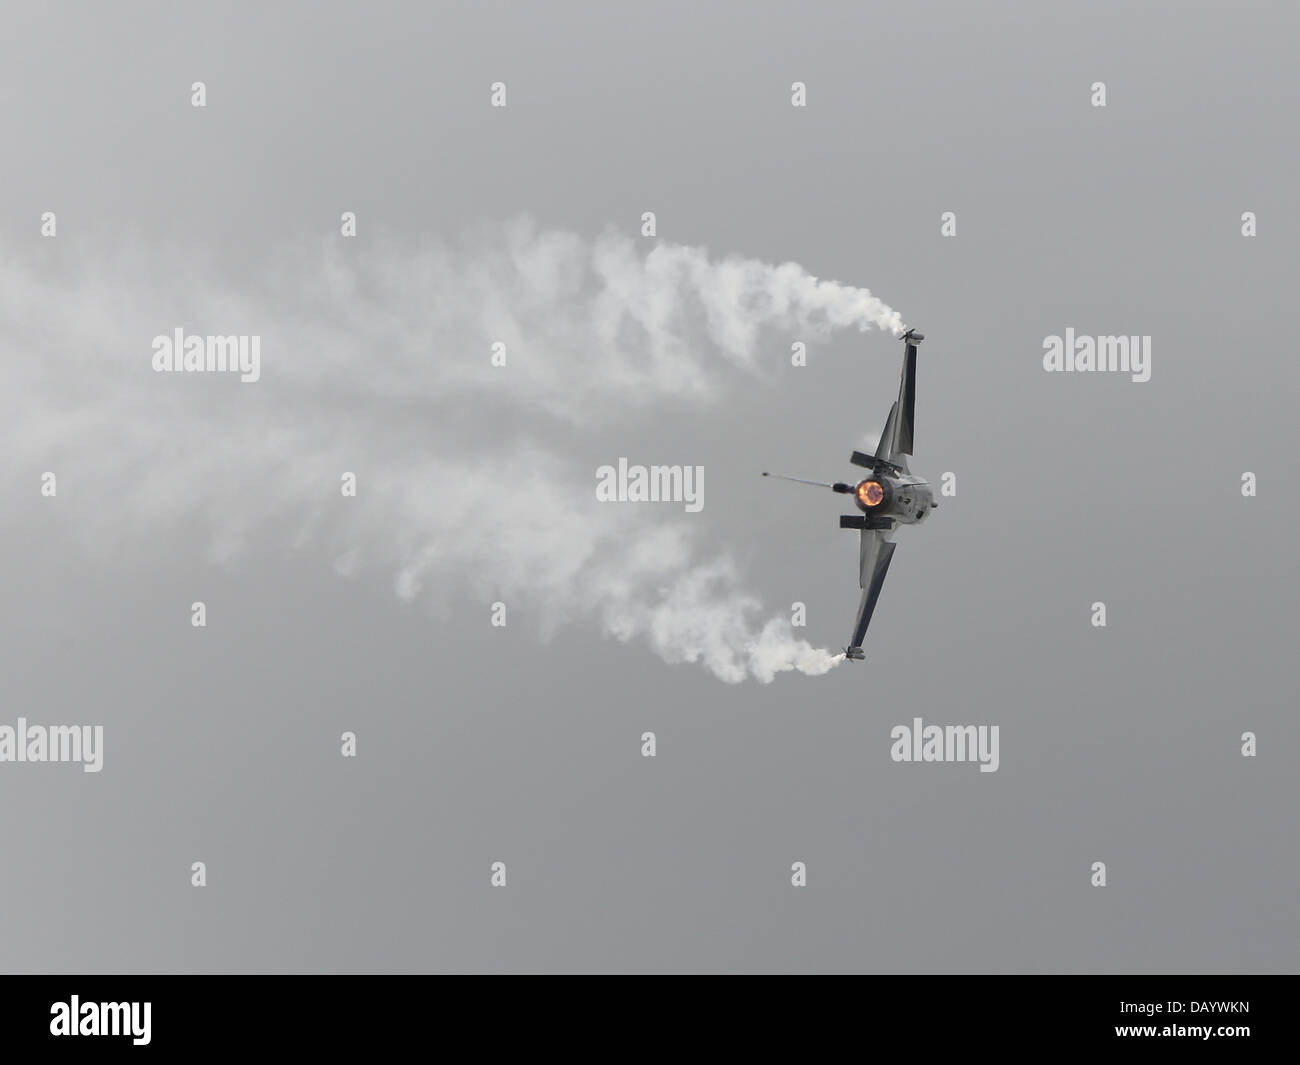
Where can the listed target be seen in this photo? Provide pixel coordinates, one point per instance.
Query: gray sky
(478, 744)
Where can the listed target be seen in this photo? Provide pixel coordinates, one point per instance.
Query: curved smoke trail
(376, 359)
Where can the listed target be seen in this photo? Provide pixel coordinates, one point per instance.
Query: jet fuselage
(906, 499)
(889, 496)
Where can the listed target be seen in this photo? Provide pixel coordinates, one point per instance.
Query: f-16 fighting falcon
(889, 496)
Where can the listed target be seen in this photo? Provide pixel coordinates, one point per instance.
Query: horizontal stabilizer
(866, 521)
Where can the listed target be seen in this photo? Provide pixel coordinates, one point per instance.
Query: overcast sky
(522, 744)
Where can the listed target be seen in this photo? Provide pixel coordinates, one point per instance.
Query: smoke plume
(376, 359)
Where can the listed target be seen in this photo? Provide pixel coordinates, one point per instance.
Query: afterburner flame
(870, 493)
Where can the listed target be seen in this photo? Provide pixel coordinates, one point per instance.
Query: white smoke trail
(377, 361)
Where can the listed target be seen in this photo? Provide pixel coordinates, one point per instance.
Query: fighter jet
(889, 495)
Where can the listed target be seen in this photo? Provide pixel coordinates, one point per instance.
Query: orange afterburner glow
(870, 493)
